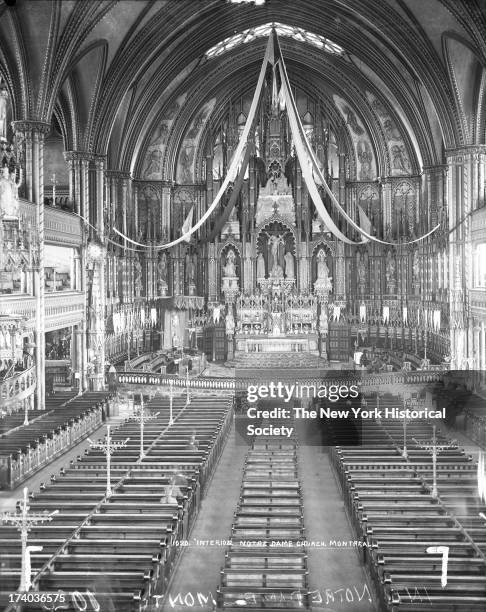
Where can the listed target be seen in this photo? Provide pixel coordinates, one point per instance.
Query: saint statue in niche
(289, 265)
(9, 187)
(322, 269)
(260, 266)
(137, 272)
(190, 268)
(390, 270)
(275, 245)
(162, 273)
(229, 269)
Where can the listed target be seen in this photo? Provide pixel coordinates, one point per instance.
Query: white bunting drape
(309, 153)
(237, 156)
(307, 158)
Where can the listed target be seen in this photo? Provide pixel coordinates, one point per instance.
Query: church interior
(262, 384)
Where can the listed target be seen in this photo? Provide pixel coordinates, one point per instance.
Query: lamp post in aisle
(141, 417)
(171, 401)
(108, 447)
(434, 448)
(24, 521)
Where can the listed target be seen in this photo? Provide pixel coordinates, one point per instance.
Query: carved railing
(370, 382)
(62, 309)
(477, 298)
(17, 388)
(60, 227)
(15, 468)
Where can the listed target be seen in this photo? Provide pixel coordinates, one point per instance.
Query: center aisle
(337, 580)
(199, 567)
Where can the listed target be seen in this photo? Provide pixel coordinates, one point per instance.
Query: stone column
(339, 281)
(30, 139)
(97, 334)
(463, 195)
(212, 273)
(165, 212)
(386, 202)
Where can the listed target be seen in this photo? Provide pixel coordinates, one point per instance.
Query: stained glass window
(282, 30)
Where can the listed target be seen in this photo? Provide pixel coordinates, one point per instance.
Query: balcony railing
(60, 227)
(370, 382)
(17, 387)
(62, 309)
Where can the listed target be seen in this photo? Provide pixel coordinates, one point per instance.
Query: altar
(267, 343)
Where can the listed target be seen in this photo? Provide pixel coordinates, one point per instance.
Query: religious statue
(390, 271)
(260, 266)
(229, 269)
(274, 242)
(162, 274)
(289, 265)
(323, 277)
(230, 321)
(137, 273)
(9, 187)
(3, 114)
(323, 321)
(361, 273)
(190, 269)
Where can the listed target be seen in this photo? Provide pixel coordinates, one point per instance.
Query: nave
(193, 518)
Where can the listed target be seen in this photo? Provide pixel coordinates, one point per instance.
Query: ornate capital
(118, 174)
(78, 156)
(23, 126)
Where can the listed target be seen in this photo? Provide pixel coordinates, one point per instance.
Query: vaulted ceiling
(107, 71)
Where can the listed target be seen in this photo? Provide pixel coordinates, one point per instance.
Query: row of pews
(266, 564)
(27, 448)
(403, 525)
(114, 548)
(10, 419)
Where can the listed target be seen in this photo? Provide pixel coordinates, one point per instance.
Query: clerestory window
(282, 30)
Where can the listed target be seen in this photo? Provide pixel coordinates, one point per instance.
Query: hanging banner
(311, 155)
(386, 314)
(233, 169)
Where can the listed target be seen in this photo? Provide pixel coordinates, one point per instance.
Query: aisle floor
(336, 576)
(197, 574)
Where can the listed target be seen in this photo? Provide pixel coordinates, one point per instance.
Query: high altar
(275, 284)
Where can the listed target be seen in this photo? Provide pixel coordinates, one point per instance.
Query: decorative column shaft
(166, 210)
(30, 139)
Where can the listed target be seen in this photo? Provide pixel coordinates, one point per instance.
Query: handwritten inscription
(444, 551)
(318, 597)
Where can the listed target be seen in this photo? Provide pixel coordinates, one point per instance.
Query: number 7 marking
(444, 551)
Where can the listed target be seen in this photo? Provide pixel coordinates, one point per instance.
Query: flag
(186, 226)
(386, 314)
(364, 222)
(281, 99)
(275, 96)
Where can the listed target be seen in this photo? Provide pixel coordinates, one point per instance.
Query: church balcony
(17, 388)
(61, 310)
(477, 299)
(60, 226)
